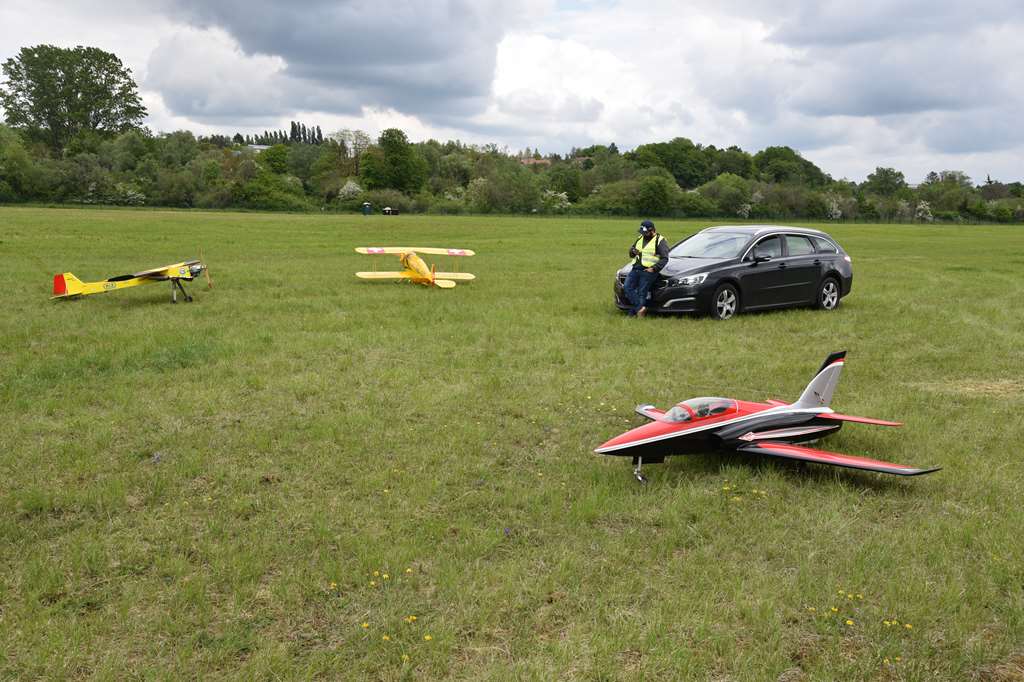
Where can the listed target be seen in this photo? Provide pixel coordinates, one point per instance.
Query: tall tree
(57, 93)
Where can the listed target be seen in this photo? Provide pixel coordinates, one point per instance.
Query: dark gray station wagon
(729, 269)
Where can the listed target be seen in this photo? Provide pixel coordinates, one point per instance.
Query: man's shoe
(642, 312)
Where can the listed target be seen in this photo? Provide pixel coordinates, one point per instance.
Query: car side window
(770, 247)
(823, 245)
(798, 245)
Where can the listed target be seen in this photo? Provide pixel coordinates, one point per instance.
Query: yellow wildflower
(386, 638)
(405, 657)
(849, 622)
(811, 609)
(373, 583)
(334, 585)
(366, 625)
(908, 626)
(834, 610)
(376, 573)
(408, 570)
(860, 596)
(885, 660)
(427, 638)
(898, 659)
(385, 576)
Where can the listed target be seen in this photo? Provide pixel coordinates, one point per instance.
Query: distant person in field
(650, 255)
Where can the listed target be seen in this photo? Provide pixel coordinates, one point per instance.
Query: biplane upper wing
(404, 274)
(376, 250)
(788, 451)
(457, 276)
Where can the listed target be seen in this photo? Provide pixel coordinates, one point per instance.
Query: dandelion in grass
(408, 570)
(385, 638)
(365, 625)
(885, 660)
(849, 622)
(334, 585)
(860, 596)
(908, 626)
(373, 583)
(385, 577)
(897, 659)
(405, 657)
(376, 574)
(427, 638)
(835, 610)
(811, 609)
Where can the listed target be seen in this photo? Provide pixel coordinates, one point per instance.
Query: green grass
(207, 489)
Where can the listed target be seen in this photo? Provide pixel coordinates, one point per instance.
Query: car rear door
(803, 269)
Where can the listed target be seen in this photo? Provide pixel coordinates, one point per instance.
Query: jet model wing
(859, 420)
(787, 451)
(376, 250)
(649, 411)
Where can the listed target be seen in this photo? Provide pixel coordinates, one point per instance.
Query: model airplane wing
(649, 411)
(405, 274)
(859, 420)
(457, 276)
(787, 451)
(376, 250)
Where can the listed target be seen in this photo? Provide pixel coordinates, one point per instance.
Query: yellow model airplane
(66, 285)
(415, 269)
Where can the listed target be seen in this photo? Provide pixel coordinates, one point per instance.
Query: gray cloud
(416, 57)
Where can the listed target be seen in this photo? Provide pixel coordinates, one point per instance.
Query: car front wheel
(828, 294)
(725, 302)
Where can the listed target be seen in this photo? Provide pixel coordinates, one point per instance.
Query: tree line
(74, 134)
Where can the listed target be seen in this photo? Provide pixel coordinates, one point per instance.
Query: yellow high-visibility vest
(648, 254)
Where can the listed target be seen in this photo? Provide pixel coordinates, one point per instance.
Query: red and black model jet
(772, 428)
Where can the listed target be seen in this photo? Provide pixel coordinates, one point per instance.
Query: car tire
(828, 294)
(725, 302)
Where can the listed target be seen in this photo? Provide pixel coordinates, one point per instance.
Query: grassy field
(306, 475)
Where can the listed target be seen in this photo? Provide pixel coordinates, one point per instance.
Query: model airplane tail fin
(66, 284)
(819, 392)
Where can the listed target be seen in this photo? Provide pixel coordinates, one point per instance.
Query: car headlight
(690, 280)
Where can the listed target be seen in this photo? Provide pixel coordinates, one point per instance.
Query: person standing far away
(650, 255)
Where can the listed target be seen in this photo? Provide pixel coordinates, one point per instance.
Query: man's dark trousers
(638, 283)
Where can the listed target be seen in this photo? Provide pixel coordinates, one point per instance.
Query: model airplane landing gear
(176, 285)
(637, 463)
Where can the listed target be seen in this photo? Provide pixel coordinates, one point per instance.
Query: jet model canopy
(696, 409)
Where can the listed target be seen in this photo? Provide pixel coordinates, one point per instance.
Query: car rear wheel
(828, 294)
(725, 302)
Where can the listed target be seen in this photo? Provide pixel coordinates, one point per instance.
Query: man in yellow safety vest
(650, 254)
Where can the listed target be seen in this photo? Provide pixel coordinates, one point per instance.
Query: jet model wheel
(828, 294)
(725, 303)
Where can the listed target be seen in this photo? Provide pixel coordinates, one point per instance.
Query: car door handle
(782, 266)
(817, 261)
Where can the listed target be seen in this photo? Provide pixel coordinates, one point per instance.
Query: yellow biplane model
(66, 285)
(415, 269)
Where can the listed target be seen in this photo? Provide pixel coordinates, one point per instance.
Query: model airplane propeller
(66, 285)
(772, 428)
(415, 269)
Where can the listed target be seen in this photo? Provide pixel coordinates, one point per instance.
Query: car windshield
(696, 409)
(711, 245)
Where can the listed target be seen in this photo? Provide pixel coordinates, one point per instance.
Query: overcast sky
(918, 85)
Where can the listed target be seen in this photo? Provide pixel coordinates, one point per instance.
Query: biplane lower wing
(443, 283)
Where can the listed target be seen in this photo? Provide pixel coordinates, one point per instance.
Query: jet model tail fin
(819, 392)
